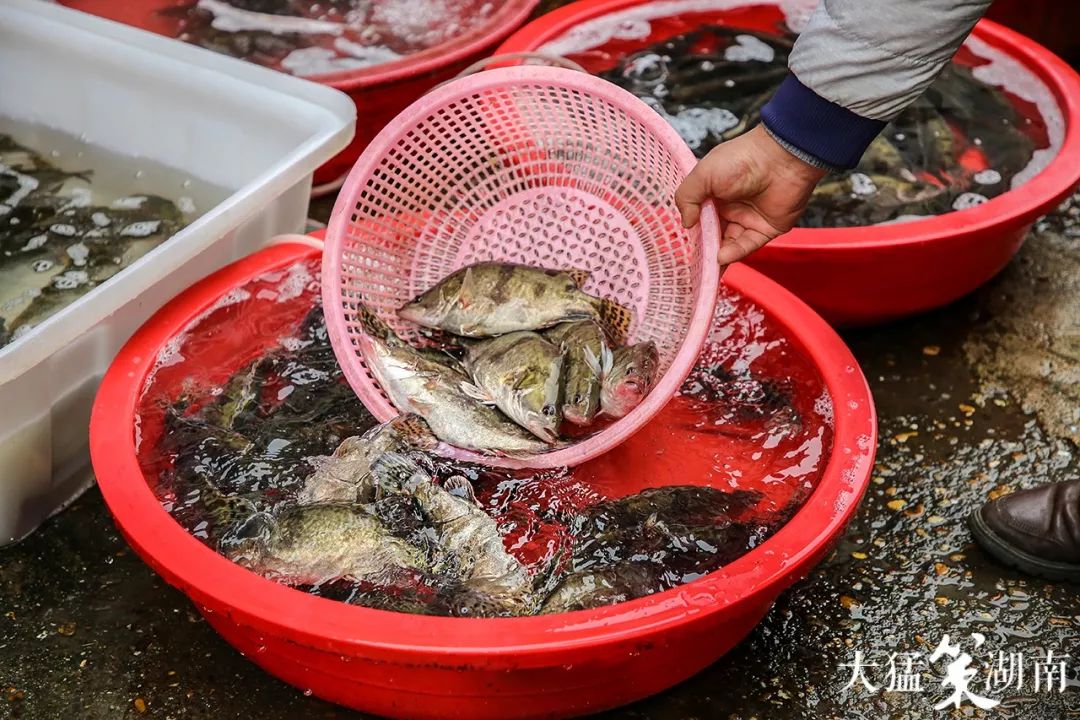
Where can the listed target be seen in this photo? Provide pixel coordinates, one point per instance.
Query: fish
(491, 298)
(587, 359)
(442, 396)
(633, 371)
(238, 396)
(310, 544)
(592, 588)
(490, 582)
(521, 373)
(346, 475)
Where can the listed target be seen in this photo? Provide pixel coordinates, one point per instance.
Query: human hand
(758, 187)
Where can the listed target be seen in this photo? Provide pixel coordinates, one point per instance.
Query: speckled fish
(586, 359)
(490, 581)
(521, 373)
(346, 475)
(632, 374)
(311, 544)
(492, 298)
(603, 586)
(445, 398)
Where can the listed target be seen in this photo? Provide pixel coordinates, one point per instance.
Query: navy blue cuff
(820, 128)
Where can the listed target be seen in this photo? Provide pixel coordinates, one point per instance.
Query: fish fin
(226, 510)
(595, 363)
(373, 325)
(476, 393)
(395, 473)
(615, 319)
(607, 360)
(579, 276)
(459, 486)
(414, 430)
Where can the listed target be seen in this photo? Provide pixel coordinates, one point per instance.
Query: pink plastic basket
(534, 165)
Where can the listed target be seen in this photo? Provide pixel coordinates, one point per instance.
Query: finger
(693, 191)
(732, 229)
(741, 245)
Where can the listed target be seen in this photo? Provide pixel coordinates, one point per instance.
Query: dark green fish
(586, 360)
(491, 298)
(521, 373)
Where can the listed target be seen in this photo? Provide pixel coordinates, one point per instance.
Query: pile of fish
(56, 243)
(306, 38)
(961, 143)
(527, 350)
(290, 485)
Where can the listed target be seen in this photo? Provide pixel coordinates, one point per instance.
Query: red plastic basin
(864, 275)
(381, 91)
(417, 666)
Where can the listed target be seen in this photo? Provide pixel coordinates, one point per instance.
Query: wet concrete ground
(88, 631)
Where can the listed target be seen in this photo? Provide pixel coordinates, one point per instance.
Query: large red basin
(864, 275)
(414, 666)
(381, 91)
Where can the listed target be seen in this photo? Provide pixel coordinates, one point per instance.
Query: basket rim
(706, 234)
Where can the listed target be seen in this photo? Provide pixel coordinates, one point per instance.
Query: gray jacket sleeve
(874, 57)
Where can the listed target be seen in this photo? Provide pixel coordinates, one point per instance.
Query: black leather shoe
(1036, 531)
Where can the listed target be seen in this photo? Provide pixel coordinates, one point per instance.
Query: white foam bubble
(78, 253)
(35, 242)
(747, 48)
(967, 200)
(143, 228)
(823, 406)
(305, 62)
(294, 284)
(862, 185)
(70, 280)
(695, 124)
(186, 205)
(228, 18)
(132, 202)
(80, 197)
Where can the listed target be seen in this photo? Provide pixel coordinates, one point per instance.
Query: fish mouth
(545, 433)
(576, 416)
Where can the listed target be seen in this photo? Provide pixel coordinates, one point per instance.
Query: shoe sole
(1012, 556)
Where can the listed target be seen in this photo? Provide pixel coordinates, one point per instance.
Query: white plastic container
(258, 133)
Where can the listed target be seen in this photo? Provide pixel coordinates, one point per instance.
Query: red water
(364, 34)
(753, 416)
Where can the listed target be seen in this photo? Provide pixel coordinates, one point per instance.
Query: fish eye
(548, 410)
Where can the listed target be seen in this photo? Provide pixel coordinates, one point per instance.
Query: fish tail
(373, 325)
(414, 431)
(615, 319)
(579, 276)
(227, 510)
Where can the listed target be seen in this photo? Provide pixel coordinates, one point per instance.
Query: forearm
(857, 64)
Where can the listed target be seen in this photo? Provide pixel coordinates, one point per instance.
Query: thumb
(693, 191)
(719, 175)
